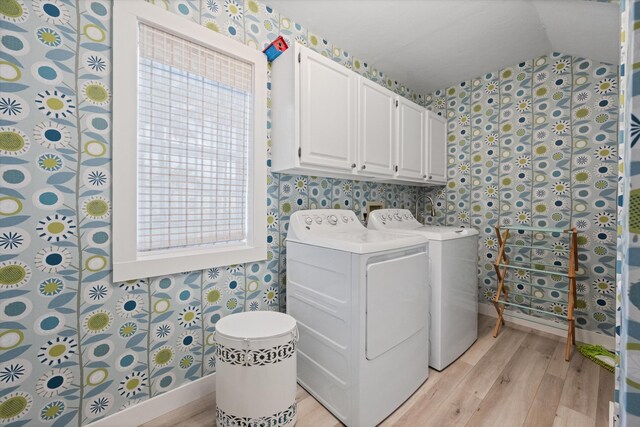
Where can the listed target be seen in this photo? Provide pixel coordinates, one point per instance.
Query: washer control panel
(394, 217)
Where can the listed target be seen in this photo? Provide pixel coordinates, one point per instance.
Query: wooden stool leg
(499, 320)
(573, 294)
(496, 329)
(567, 348)
(573, 318)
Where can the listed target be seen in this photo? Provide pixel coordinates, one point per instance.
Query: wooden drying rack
(503, 267)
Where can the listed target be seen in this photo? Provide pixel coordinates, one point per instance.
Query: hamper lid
(255, 325)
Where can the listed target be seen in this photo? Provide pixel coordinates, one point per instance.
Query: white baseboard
(160, 405)
(587, 337)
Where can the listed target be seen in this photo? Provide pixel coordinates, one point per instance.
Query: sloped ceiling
(432, 44)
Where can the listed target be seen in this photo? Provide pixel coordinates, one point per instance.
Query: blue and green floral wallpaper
(75, 347)
(628, 278)
(535, 144)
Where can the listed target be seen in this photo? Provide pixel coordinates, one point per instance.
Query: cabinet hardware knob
(364, 167)
(424, 176)
(353, 165)
(430, 176)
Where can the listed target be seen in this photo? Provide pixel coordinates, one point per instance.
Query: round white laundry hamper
(256, 370)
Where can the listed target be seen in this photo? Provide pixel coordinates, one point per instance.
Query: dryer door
(397, 301)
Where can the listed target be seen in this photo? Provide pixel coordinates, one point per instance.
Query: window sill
(190, 260)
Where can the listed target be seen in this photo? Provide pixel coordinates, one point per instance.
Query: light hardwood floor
(517, 379)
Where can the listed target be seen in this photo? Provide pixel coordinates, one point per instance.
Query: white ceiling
(432, 44)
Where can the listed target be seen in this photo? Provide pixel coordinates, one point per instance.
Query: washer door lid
(397, 302)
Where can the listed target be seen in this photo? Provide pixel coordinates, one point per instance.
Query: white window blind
(194, 133)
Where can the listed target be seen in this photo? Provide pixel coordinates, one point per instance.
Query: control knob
(308, 220)
(332, 219)
(318, 220)
(345, 218)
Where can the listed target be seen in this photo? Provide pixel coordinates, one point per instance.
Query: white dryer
(359, 297)
(453, 265)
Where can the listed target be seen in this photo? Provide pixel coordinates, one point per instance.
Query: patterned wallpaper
(535, 144)
(628, 279)
(74, 346)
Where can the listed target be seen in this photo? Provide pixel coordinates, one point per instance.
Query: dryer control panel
(321, 220)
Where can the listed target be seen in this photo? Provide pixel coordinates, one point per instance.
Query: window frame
(128, 263)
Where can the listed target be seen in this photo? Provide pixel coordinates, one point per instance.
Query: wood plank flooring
(517, 379)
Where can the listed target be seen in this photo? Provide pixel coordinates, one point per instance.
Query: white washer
(359, 297)
(453, 265)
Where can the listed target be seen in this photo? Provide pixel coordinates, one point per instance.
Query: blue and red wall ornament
(275, 48)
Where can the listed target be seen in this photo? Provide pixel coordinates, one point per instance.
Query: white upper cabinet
(329, 121)
(376, 129)
(328, 116)
(314, 114)
(436, 148)
(410, 142)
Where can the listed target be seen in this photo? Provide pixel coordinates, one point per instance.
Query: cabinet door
(410, 140)
(328, 120)
(436, 147)
(376, 132)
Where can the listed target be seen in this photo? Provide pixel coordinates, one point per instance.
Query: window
(193, 143)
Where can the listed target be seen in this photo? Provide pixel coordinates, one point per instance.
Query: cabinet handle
(353, 165)
(364, 167)
(424, 176)
(430, 176)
